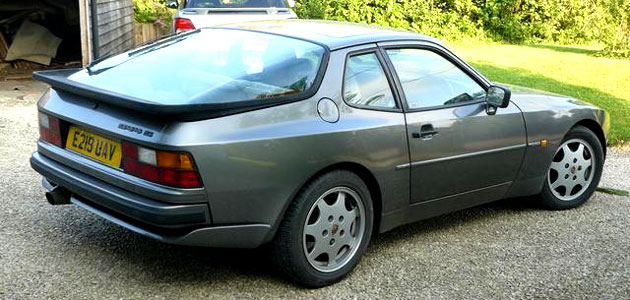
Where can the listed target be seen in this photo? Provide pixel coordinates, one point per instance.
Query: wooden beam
(4, 47)
(86, 37)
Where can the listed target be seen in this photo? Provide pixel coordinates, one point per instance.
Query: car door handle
(427, 132)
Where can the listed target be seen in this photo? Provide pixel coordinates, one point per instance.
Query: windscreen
(235, 4)
(210, 66)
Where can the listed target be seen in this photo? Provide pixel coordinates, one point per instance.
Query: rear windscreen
(210, 66)
(235, 4)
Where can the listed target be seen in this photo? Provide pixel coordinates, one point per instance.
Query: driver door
(458, 152)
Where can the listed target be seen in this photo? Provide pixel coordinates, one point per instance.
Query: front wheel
(326, 230)
(575, 170)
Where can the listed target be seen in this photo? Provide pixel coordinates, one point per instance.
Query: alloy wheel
(571, 170)
(334, 229)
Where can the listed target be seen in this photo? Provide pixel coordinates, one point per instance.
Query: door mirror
(172, 4)
(290, 3)
(498, 96)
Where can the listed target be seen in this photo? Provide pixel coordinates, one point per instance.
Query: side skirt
(440, 206)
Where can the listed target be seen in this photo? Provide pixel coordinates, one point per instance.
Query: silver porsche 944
(309, 137)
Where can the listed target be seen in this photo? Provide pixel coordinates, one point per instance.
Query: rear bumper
(186, 224)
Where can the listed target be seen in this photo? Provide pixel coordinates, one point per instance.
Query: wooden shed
(80, 31)
(107, 27)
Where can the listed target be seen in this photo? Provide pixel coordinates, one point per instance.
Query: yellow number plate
(94, 146)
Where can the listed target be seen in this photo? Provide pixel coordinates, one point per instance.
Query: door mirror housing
(498, 96)
(290, 3)
(172, 4)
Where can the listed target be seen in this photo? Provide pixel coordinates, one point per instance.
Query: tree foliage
(515, 21)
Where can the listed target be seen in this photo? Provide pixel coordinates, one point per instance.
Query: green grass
(567, 70)
(612, 191)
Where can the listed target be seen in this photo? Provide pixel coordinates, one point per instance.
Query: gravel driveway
(507, 249)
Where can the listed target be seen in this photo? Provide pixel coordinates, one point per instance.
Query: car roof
(335, 35)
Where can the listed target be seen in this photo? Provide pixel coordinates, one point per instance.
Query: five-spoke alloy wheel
(325, 230)
(574, 171)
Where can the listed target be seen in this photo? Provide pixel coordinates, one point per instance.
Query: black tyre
(575, 170)
(325, 231)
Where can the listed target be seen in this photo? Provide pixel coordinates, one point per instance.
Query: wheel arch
(593, 126)
(363, 172)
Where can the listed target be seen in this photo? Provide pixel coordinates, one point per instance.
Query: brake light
(166, 167)
(49, 129)
(182, 24)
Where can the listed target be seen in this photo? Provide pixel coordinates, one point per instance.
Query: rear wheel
(326, 230)
(575, 170)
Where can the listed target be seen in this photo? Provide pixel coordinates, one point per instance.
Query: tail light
(49, 129)
(175, 169)
(182, 24)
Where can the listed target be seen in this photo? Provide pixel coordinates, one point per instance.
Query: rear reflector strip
(179, 178)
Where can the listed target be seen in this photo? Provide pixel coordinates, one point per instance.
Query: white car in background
(193, 14)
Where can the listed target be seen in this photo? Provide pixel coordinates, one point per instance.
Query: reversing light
(49, 129)
(174, 169)
(147, 156)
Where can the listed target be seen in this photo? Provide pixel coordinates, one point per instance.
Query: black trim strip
(415, 204)
(465, 155)
(403, 166)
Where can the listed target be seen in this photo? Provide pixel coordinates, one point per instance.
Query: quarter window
(430, 80)
(365, 83)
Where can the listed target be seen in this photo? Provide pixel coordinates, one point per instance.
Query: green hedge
(515, 21)
(153, 11)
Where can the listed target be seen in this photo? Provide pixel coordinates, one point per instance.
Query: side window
(429, 79)
(365, 83)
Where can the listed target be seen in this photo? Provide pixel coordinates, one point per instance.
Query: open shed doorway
(38, 34)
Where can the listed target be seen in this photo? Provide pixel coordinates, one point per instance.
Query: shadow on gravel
(462, 217)
(150, 262)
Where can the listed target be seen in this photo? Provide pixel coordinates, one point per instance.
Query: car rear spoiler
(58, 80)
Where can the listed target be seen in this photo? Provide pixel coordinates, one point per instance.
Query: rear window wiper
(150, 47)
(163, 43)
